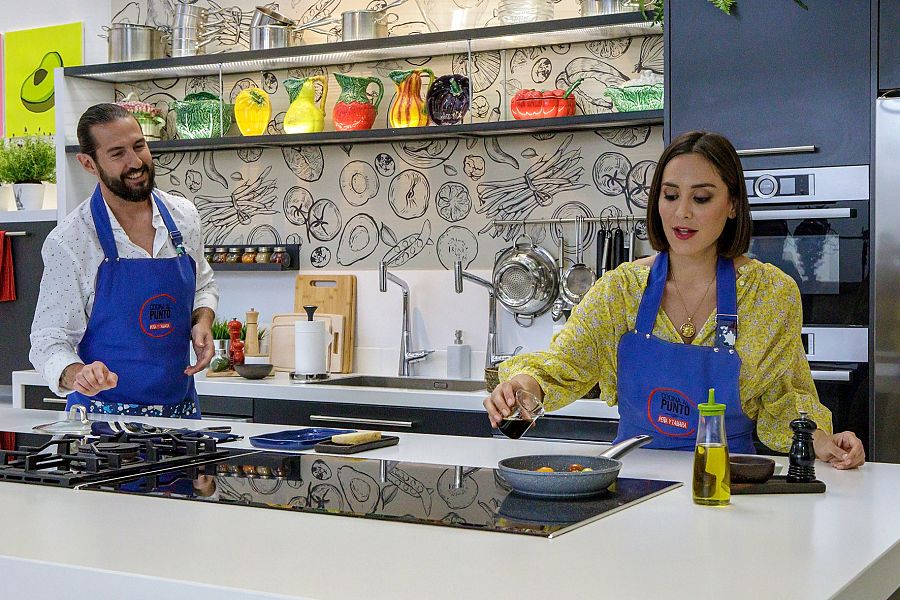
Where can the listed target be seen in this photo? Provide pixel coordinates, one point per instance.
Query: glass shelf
(649, 117)
(545, 33)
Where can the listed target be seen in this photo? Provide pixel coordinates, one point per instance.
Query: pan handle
(626, 446)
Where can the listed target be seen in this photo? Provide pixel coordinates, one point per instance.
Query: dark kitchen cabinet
(773, 75)
(366, 416)
(889, 45)
(41, 398)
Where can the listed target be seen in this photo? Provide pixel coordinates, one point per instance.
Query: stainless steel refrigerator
(885, 409)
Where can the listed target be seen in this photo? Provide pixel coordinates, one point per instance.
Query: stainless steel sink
(406, 383)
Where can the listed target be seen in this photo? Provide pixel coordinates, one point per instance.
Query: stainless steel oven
(814, 224)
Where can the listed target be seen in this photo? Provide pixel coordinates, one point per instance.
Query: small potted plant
(148, 116)
(28, 163)
(221, 344)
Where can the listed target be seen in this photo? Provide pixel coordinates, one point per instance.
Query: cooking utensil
(560, 304)
(263, 15)
(617, 249)
(601, 250)
(632, 238)
(75, 423)
(130, 41)
(521, 475)
(590, 8)
(578, 278)
(266, 37)
(525, 279)
(367, 24)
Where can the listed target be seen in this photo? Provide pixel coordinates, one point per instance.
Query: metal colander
(526, 279)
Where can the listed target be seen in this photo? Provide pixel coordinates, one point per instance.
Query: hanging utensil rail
(549, 220)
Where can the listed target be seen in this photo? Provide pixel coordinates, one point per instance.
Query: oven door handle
(831, 375)
(781, 150)
(791, 215)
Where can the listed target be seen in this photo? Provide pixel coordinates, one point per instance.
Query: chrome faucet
(407, 356)
(492, 356)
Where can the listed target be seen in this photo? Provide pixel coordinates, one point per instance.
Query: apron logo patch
(156, 316)
(671, 413)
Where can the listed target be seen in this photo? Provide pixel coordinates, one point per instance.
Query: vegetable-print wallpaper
(426, 203)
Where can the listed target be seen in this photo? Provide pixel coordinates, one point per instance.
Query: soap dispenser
(459, 358)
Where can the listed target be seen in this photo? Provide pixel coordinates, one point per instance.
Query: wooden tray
(778, 485)
(231, 373)
(332, 448)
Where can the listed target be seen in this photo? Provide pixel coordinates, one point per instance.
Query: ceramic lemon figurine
(304, 115)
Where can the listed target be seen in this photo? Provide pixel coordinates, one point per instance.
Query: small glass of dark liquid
(527, 410)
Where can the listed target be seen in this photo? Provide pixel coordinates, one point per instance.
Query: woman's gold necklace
(687, 329)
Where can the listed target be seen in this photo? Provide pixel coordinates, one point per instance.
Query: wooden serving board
(335, 295)
(778, 485)
(230, 373)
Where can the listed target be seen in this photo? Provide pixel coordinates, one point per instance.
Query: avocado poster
(30, 56)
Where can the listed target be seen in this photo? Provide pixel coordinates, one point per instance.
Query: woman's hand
(502, 400)
(842, 450)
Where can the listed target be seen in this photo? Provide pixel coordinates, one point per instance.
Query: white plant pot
(49, 196)
(7, 198)
(29, 196)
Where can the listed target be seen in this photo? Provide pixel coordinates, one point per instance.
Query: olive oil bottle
(712, 476)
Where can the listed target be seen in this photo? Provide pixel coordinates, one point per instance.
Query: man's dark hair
(98, 114)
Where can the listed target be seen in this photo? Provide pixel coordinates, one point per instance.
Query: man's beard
(121, 189)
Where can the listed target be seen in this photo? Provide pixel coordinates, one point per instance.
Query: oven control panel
(772, 186)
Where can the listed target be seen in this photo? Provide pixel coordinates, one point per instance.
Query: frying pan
(519, 471)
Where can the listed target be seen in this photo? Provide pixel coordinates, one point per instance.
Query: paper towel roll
(311, 342)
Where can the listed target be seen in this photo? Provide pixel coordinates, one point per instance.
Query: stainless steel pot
(526, 280)
(590, 8)
(367, 24)
(267, 16)
(129, 41)
(265, 37)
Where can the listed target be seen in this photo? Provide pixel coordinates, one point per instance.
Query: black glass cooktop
(466, 497)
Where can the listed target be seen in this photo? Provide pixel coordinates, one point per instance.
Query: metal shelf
(649, 117)
(545, 33)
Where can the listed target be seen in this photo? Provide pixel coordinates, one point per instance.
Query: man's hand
(89, 379)
(843, 450)
(202, 338)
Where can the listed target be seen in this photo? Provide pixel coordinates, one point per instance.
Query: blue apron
(660, 382)
(140, 327)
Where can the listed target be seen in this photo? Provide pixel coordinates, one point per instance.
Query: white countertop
(280, 387)
(843, 544)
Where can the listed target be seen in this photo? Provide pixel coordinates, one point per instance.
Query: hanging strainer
(525, 278)
(578, 278)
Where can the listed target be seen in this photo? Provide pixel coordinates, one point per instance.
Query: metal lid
(249, 249)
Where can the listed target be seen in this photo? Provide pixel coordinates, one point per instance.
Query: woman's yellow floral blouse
(775, 380)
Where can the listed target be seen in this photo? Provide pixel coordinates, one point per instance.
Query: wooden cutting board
(335, 295)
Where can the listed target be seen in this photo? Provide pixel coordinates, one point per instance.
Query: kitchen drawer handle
(214, 417)
(62, 401)
(362, 421)
(831, 375)
(812, 213)
(782, 150)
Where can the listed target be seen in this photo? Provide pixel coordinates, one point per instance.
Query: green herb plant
(27, 160)
(220, 330)
(726, 6)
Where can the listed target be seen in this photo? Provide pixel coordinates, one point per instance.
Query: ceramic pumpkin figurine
(304, 115)
(354, 109)
(252, 110)
(408, 108)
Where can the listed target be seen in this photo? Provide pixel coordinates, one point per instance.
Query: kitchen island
(843, 544)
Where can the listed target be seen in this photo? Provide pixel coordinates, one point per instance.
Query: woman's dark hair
(735, 238)
(98, 114)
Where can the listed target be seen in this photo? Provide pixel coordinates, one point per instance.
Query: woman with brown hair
(657, 333)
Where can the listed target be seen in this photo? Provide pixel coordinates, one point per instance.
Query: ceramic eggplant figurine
(252, 110)
(354, 108)
(448, 100)
(304, 115)
(408, 108)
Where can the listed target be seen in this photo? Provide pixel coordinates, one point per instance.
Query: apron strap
(653, 293)
(103, 225)
(726, 298)
(174, 234)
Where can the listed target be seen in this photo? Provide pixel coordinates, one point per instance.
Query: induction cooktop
(444, 495)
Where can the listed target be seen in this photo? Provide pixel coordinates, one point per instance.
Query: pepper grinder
(251, 342)
(803, 455)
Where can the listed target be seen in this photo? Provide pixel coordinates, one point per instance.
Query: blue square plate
(295, 439)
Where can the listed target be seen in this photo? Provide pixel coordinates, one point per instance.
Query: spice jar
(219, 255)
(281, 257)
(263, 254)
(249, 256)
(208, 254)
(234, 256)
